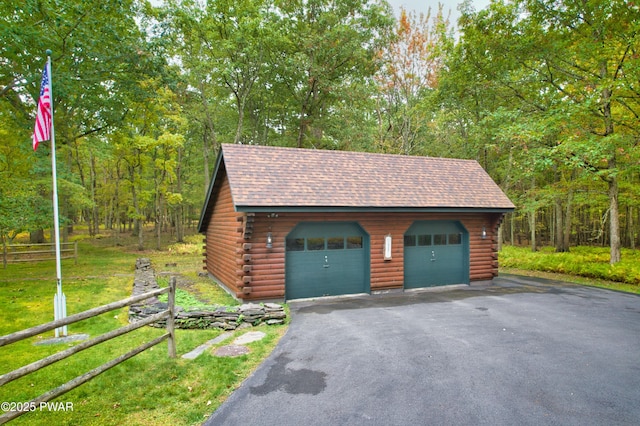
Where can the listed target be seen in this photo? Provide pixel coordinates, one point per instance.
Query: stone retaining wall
(224, 317)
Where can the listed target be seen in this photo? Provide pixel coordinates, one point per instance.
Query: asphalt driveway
(521, 352)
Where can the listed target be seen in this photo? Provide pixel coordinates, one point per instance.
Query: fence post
(171, 318)
(4, 254)
(75, 252)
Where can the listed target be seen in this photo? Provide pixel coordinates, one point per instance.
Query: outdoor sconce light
(387, 247)
(484, 233)
(269, 240)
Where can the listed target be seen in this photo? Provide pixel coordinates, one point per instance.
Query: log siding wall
(222, 236)
(251, 271)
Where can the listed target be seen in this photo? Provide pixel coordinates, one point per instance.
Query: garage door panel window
(409, 240)
(314, 244)
(428, 240)
(354, 243)
(318, 243)
(440, 240)
(455, 239)
(295, 244)
(424, 240)
(335, 243)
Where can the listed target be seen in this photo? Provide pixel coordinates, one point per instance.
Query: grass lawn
(149, 389)
(583, 265)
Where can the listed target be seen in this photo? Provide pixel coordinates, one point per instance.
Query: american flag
(42, 130)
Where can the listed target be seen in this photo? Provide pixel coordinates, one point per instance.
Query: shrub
(590, 262)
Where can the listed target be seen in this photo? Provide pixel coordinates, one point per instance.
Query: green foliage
(543, 94)
(589, 262)
(187, 301)
(149, 389)
(410, 66)
(285, 72)
(542, 91)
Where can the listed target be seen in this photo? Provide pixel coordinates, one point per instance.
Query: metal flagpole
(59, 300)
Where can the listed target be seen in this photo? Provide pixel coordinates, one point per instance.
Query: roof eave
(206, 213)
(353, 209)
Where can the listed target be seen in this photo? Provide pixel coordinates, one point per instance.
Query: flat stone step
(203, 347)
(252, 336)
(237, 348)
(231, 351)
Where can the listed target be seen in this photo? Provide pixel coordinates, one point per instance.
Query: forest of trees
(545, 94)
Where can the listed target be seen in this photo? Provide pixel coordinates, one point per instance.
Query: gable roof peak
(263, 177)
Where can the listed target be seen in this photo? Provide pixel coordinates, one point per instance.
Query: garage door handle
(326, 262)
(433, 256)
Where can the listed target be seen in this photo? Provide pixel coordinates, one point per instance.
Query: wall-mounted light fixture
(269, 240)
(484, 232)
(387, 247)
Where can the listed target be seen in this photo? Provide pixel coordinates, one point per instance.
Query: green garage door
(326, 259)
(436, 253)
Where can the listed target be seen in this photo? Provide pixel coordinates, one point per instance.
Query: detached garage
(284, 223)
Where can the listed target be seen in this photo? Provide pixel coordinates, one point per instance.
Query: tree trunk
(87, 213)
(306, 111)
(205, 151)
(140, 234)
(532, 221)
(241, 102)
(158, 227)
(630, 230)
(158, 209)
(612, 178)
(562, 224)
(301, 131)
(179, 209)
(567, 221)
(94, 183)
(37, 236)
(238, 137)
(512, 230)
(116, 200)
(557, 231)
(532, 229)
(137, 221)
(208, 130)
(614, 221)
(179, 225)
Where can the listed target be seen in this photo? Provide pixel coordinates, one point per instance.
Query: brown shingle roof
(274, 177)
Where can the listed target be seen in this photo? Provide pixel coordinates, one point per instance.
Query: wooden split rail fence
(169, 314)
(15, 253)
